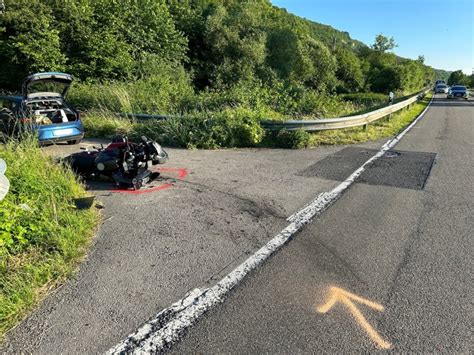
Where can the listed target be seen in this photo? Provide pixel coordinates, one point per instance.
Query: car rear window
(458, 88)
(441, 86)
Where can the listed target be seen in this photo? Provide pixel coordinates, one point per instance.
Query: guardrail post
(366, 126)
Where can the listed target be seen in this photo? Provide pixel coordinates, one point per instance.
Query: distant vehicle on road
(42, 108)
(439, 82)
(441, 89)
(458, 91)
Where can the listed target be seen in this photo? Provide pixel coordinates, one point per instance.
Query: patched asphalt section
(404, 169)
(340, 165)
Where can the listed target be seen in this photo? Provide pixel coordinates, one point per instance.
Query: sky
(441, 30)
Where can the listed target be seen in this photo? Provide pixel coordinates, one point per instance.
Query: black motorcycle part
(82, 163)
(107, 162)
(135, 182)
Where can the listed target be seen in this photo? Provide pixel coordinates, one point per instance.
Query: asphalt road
(401, 237)
(409, 250)
(154, 247)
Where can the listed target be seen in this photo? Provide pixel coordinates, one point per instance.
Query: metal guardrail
(341, 122)
(145, 116)
(4, 183)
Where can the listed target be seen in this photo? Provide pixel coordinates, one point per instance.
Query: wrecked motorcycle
(127, 163)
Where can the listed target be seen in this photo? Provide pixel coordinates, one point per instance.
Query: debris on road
(84, 203)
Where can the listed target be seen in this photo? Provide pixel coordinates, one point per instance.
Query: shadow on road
(452, 102)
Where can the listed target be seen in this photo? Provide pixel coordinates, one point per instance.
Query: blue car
(458, 91)
(42, 108)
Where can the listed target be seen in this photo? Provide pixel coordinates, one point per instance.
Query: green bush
(238, 127)
(42, 235)
(367, 99)
(298, 139)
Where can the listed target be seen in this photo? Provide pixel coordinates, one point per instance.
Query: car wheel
(76, 141)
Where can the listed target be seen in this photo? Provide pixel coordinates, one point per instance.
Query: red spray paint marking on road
(182, 173)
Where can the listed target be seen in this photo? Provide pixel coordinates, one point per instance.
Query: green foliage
(36, 182)
(385, 79)
(180, 56)
(29, 41)
(298, 139)
(237, 127)
(234, 127)
(412, 76)
(349, 70)
(100, 39)
(366, 99)
(383, 43)
(42, 235)
(164, 92)
(458, 78)
(441, 75)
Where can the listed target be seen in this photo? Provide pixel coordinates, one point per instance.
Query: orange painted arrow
(338, 294)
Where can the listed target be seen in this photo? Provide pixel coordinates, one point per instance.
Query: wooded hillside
(216, 44)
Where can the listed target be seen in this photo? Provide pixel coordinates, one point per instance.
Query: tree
(384, 80)
(458, 78)
(383, 44)
(235, 39)
(412, 76)
(29, 41)
(349, 69)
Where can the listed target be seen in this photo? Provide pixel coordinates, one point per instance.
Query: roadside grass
(42, 235)
(172, 94)
(104, 124)
(239, 127)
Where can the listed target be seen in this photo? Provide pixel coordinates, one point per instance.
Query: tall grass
(175, 96)
(233, 127)
(42, 235)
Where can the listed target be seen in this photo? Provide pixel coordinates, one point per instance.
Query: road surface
(407, 249)
(394, 253)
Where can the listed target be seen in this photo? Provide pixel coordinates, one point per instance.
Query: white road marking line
(166, 326)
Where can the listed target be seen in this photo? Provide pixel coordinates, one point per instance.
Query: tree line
(459, 78)
(216, 44)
